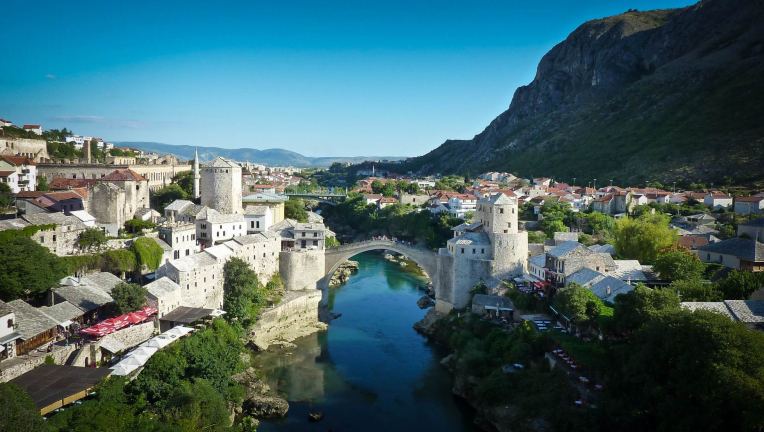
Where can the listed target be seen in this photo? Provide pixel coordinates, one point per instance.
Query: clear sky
(323, 78)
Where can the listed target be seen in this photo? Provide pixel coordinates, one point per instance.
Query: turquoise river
(370, 371)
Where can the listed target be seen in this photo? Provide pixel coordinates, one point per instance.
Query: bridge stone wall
(301, 270)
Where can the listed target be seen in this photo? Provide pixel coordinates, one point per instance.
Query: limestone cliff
(658, 95)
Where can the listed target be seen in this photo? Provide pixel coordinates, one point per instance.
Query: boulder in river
(259, 401)
(424, 302)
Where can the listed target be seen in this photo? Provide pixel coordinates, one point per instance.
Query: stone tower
(221, 186)
(498, 215)
(197, 175)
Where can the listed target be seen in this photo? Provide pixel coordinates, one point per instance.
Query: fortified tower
(221, 186)
(487, 250)
(498, 215)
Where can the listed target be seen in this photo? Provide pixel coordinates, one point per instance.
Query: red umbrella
(148, 310)
(136, 317)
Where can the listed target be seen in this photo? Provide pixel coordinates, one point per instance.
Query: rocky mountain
(667, 95)
(273, 157)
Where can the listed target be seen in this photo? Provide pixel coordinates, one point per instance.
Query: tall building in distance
(197, 175)
(221, 186)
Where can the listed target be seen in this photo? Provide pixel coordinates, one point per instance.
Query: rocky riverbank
(260, 402)
(492, 418)
(296, 315)
(343, 273)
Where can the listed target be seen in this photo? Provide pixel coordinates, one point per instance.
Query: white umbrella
(158, 342)
(143, 354)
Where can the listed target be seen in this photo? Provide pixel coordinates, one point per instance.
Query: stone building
(213, 227)
(116, 198)
(258, 218)
(158, 175)
(180, 237)
(221, 186)
(62, 239)
(164, 295)
(569, 257)
(488, 250)
(35, 149)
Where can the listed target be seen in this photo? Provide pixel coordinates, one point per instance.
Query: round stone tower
(221, 186)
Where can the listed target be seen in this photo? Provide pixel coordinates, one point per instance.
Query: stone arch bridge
(429, 261)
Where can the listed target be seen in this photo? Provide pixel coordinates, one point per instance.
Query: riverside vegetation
(201, 382)
(661, 367)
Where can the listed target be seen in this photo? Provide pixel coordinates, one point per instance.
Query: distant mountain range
(273, 157)
(665, 95)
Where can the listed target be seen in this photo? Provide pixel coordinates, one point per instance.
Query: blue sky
(317, 77)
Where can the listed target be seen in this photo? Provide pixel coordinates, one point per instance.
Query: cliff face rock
(657, 95)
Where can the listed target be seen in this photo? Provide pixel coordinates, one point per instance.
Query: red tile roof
(29, 194)
(6, 173)
(31, 126)
(753, 199)
(125, 174)
(17, 160)
(59, 183)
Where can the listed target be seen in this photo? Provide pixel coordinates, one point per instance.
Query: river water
(370, 371)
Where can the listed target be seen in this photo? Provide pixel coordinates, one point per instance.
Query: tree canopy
(27, 268)
(687, 371)
(643, 238)
(295, 209)
(91, 238)
(578, 303)
(128, 297)
(679, 264)
(634, 308)
(18, 411)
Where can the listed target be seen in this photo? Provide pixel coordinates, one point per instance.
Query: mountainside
(667, 95)
(278, 157)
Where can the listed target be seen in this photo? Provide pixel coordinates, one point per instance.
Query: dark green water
(370, 371)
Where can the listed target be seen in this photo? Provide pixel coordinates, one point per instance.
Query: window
(482, 250)
(315, 234)
(252, 224)
(501, 211)
(258, 224)
(303, 233)
(10, 323)
(473, 251)
(54, 237)
(462, 250)
(315, 242)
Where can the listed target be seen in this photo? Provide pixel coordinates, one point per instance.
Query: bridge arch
(334, 257)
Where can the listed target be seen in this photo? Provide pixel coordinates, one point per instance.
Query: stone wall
(295, 316)
(301, 270)
(35, 149)
(158, 176)
(20, 365)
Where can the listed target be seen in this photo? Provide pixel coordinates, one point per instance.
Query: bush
(90, 238)
(148, 252)
(134, 226)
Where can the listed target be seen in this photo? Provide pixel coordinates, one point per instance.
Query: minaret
(197, 176)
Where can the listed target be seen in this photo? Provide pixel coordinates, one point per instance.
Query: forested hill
(659, 95)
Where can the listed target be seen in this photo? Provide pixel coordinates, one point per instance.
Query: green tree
(6, 198)
(536, 237)
(679, 264)
(388, 189)
(166, 195)
(687, 371)
(295, 209)
(578, 303)
(42, 184)
(91, 238)
(739, 285)
(134, 226)
(196, 406)
(241, 291)
(633, 309)
(17, 411)
(128, 297)
(332, 242)
(185, 180)
(27, 268)
(696, 290)
(643, 238)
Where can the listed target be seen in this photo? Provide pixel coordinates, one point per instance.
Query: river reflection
(370, 371)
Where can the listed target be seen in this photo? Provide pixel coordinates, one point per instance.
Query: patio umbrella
(135, 317)
(143, 353)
